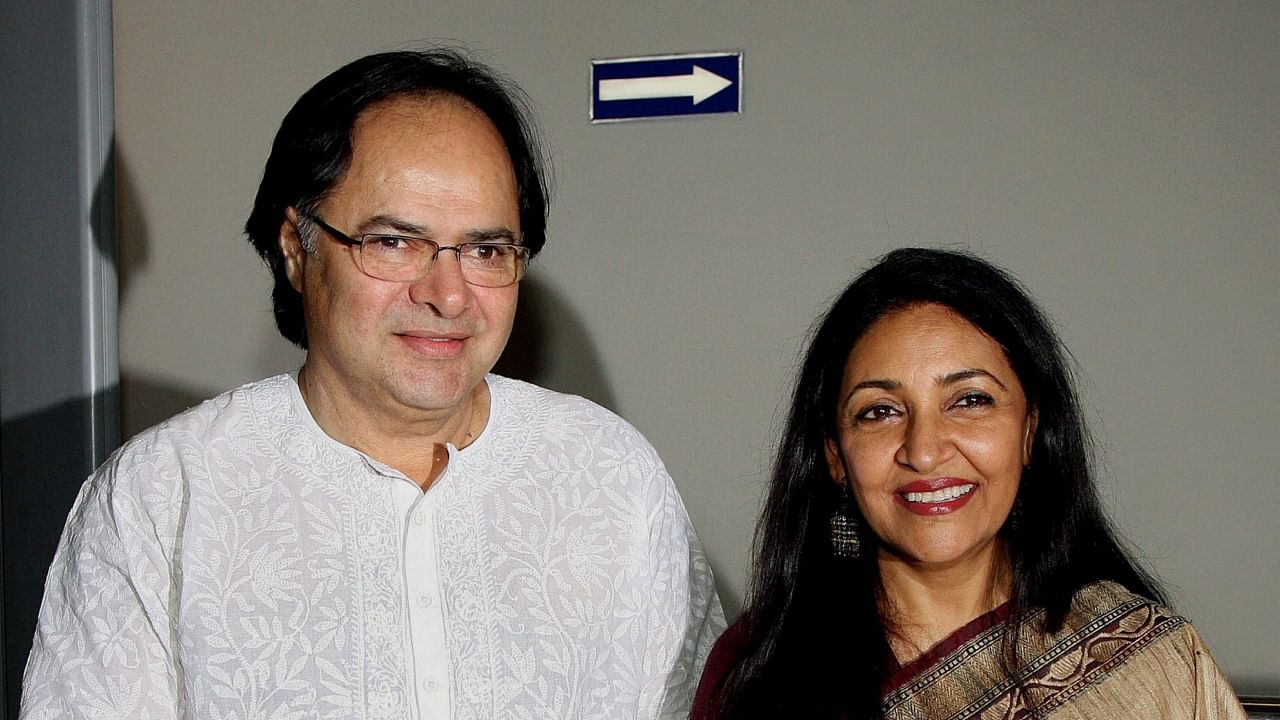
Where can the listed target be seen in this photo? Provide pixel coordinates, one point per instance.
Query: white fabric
(236, 562)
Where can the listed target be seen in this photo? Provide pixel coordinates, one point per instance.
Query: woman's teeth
(937, 496)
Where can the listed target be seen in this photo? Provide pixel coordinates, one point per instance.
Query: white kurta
(236, 562)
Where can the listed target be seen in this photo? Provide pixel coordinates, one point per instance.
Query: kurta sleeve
(724, 656)
(103, 645)
(685, 614)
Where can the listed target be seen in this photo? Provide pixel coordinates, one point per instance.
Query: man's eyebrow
(396, 224)
(966, 374)
(493, 235)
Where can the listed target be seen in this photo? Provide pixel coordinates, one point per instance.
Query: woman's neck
(924, 603)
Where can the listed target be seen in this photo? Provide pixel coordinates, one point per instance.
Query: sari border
(1089, 670)
(1129, 625)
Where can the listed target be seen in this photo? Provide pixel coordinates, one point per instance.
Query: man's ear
(835, 465)
(295, 256)
(1029, 437)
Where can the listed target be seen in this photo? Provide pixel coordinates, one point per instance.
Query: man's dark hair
(312, 149)
(813, 636)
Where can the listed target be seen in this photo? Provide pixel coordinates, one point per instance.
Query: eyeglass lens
(396, 258)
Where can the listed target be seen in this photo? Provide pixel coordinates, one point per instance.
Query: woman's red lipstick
(935, 497)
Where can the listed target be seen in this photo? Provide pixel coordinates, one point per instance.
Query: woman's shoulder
(1141, 658)
(1106, 600)
(1109, 613)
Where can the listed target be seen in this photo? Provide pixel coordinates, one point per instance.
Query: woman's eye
(877, 412)
(974, 399)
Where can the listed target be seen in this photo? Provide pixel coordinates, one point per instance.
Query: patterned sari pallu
(1116, 656)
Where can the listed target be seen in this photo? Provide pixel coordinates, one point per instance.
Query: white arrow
(700, 85)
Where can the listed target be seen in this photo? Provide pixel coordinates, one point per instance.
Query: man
(392, 532)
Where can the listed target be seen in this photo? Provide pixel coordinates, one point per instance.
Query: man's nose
(442, 287)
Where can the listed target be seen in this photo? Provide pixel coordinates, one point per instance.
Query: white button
(430, 685)
(420, 519)
(424, 601)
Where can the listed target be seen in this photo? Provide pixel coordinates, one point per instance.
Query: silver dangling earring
(845, 542)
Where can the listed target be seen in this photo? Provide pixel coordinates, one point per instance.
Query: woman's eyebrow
(876, 383)
(966, 374)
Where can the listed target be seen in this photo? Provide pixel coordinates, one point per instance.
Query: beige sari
(1116, 656)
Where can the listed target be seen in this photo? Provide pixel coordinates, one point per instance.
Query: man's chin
(437, 394)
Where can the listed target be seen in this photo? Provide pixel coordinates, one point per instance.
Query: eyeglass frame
(522, 252)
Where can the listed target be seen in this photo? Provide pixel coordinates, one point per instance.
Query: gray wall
(1122, 159)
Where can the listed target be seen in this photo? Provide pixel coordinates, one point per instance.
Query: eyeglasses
(400, 258)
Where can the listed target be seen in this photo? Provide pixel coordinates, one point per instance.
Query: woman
(932, 544)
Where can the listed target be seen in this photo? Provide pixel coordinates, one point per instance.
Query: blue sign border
(726, 64)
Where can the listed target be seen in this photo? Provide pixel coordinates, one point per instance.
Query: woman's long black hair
(814, 643)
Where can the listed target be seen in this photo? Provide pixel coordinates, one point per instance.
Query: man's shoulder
(213, 419)
(146, 472)
(560, 407)
(553, 416)
(560, 438)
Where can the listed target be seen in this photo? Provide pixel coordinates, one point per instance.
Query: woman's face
(933, 431)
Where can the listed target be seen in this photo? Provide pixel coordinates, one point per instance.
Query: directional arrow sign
(665, 86)
(699, 85)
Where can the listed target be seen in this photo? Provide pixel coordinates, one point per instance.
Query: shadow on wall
(47, 455)
(730, 596)
(144, 400)
(550, 346)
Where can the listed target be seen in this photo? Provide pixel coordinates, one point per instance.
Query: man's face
(436, 169)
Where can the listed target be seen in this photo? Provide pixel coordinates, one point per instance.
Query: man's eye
(387, 243)
(490, 254)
